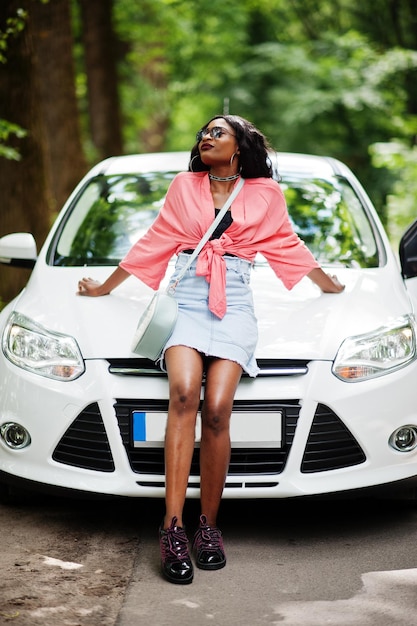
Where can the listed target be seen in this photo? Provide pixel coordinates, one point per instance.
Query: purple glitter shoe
(175, 559)
(208, 544)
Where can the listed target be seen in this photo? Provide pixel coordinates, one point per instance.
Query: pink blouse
(260, 224)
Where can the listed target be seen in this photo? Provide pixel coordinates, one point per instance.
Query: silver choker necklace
(224, 179)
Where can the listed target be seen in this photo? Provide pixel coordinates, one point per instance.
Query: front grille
(85, 443)
(268, 367)
(244, 461)
(330, 444)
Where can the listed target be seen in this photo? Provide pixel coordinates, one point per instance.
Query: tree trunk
(24, 204)
(53, 43)
(100, 51)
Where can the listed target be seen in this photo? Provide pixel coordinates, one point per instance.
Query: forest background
(81, 80)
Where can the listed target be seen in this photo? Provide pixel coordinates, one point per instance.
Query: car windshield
(112, 212)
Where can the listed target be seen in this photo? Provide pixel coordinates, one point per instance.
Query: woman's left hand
(336, 286)
(328, 283)
(89, 287)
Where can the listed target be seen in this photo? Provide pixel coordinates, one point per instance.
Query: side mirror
(18, 250)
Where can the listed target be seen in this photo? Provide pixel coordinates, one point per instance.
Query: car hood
(299, 324)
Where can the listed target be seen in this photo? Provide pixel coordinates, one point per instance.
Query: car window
(112, 212)
(329, 217)
(109, 216)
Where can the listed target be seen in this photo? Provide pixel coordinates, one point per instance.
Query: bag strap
(209, 232)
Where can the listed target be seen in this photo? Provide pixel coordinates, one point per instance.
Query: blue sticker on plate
(139, 426)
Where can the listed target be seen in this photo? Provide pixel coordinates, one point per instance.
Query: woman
(216, 332)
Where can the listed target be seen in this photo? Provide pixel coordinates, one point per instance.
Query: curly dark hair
(253, 145)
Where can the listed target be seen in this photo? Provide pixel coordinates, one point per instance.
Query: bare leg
(185, 371)
(222, 380)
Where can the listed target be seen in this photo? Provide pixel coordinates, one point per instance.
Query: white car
(334, 408)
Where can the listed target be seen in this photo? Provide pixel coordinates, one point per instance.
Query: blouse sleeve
(286, 253)
(149, 256)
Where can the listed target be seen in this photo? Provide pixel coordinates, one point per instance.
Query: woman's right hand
(93, 288)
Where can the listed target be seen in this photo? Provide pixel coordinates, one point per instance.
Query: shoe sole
(174, 581)
(211, 566)
(178, 581)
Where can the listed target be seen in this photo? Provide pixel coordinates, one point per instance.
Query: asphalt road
(294, 563)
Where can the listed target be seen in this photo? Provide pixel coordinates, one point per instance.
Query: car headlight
(376, 353)
(36, 349)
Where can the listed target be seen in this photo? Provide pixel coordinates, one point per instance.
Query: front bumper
(334, 435)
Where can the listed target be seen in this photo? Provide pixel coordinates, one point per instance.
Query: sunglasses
(215, 133)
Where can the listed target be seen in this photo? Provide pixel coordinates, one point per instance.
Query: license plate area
(249, 428)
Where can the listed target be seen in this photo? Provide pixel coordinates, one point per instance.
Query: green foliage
(401, 160)
(181, 60)
(14, 25)
(7, 130)
(328, 92)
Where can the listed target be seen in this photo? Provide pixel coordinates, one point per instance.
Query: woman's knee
(216, 419)
(184, 399)
(185, 372)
